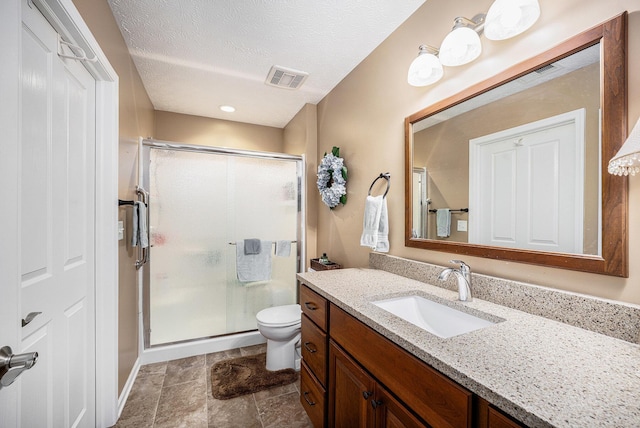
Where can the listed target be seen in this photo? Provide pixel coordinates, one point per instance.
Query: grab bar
(143, 253)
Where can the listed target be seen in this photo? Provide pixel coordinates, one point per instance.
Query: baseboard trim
(122, 399)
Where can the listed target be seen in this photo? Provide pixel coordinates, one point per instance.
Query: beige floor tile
(183, 405)
(283, 411)
(239, 412)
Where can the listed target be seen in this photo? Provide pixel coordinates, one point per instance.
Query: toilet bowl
(280, 325)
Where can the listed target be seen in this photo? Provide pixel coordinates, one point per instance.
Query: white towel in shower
(375, 226)
(139, 235)
(443, 222)
(253, 267)
(283, 248)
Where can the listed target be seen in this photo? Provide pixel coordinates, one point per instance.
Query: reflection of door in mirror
(527, 188)
(441, 144)
(421, 202)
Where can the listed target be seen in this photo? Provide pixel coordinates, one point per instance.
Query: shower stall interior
(202, 200)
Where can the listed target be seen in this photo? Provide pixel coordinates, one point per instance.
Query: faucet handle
(463, 265)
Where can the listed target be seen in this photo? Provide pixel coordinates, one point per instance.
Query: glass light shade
(425, 70)
(508, 18)
(627, 160)
(461, 46)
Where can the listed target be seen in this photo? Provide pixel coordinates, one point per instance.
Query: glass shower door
(201, 204)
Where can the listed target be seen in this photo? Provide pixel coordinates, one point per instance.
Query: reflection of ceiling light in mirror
(425, 68)
(508, 18)
(228, 109)
(627, 160)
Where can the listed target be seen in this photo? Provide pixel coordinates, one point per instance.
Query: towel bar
(272, 243)
(461, 210)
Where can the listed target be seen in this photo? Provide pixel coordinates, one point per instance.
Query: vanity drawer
(432, 396)
(314, 306)
(312, 396)
(314, 349)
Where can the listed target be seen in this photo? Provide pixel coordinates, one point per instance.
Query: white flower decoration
(332, 179)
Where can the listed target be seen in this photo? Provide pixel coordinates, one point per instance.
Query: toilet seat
(280, 316)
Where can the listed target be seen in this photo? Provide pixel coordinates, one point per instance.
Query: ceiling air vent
(286, 78)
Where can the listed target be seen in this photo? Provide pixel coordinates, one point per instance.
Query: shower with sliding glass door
(202, 202)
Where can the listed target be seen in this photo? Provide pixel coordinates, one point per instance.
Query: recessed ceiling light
(228, 109)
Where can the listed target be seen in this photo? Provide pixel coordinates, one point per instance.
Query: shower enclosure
(202, 200)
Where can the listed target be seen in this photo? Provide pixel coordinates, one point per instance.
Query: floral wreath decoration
(332, 179)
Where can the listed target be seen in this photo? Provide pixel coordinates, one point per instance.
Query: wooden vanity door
(350, 393)
(390, 413)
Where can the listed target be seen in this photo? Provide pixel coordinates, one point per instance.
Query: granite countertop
(542, 372)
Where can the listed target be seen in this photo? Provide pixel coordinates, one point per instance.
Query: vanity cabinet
(357, 400)
(434, 398)
(352, 376)
(313, 370)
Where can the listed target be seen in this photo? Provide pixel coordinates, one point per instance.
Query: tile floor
(178, 394)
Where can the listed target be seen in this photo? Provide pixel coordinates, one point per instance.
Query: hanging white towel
(382, 245)
(283, 248)
(139, 235)
(375, 226)
(253, 267)
(443, 222)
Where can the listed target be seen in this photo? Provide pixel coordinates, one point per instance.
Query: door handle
(12, 365)
(29, 317)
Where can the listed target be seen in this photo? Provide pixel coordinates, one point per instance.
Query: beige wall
(204, 131)
(364, 116)
(136, 119)
(301, 138)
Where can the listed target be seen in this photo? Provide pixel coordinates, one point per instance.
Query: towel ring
(387, 177)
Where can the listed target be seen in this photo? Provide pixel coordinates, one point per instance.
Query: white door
(526, 186)
(54, 242)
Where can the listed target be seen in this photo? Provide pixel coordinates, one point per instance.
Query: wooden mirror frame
(613, 261)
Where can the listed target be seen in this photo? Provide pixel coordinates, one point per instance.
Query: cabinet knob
(367, 394)
(376, 403)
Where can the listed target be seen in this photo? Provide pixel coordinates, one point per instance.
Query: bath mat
(246, 375)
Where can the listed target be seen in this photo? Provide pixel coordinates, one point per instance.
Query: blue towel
(283, 248)
(252, 246)
(253, 267)
(443, 223)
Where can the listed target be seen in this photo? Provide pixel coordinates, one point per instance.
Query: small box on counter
(317, 265)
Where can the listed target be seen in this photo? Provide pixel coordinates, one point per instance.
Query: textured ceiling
(195, 55)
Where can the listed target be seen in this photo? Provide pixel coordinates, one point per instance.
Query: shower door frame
(144, 158)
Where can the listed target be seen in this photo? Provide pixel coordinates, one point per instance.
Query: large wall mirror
(515, 168)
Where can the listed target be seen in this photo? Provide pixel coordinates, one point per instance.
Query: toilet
(280, 325)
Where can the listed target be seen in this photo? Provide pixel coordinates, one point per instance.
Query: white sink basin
(436, 318)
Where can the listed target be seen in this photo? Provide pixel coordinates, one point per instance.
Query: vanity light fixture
(505, 19)
(508, 18)
(462, 45)
(228, 109)
(627, 160)
(426, 68)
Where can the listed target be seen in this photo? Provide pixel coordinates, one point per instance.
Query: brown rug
(246, 375)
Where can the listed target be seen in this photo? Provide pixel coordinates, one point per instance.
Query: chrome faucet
(463, 275)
